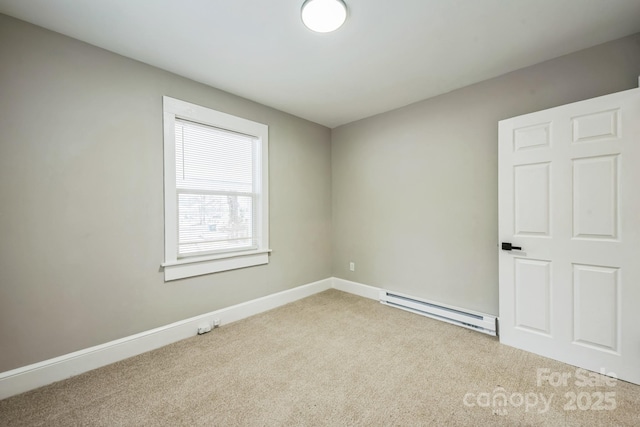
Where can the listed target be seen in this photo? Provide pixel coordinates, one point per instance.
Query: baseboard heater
(467, 319)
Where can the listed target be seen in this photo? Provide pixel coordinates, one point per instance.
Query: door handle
(508, 247)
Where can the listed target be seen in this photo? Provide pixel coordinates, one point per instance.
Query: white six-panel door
(569, 196)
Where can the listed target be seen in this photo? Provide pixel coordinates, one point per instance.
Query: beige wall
(414, 191)
(81, 199)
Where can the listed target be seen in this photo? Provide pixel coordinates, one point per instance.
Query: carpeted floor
(331, 359)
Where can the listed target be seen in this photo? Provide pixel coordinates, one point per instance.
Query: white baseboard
(356, 288)
(46, 372)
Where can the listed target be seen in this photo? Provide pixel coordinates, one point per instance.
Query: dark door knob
(508, 247)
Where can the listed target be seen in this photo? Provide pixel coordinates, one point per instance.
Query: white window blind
(217, 189)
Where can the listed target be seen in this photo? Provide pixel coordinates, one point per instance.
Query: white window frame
(179, 268)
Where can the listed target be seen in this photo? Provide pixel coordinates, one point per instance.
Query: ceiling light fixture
(324, 16)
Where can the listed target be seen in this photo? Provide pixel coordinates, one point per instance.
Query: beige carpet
(331, 359)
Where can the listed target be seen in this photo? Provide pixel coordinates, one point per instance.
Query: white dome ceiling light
(324, 16)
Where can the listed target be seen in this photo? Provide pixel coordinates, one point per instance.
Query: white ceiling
(388, 54)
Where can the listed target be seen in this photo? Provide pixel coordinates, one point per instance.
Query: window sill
(190, 267)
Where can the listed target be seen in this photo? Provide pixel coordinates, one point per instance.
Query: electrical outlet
(352, 266)
(203, 328)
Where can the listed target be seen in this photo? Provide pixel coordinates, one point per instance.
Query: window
(215, 191)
